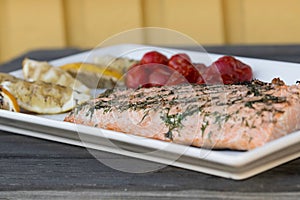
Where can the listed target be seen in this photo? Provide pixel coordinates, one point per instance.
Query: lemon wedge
(42, 71)
(94, 76)
(8, 101)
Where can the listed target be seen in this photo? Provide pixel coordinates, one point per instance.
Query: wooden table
(37, 169)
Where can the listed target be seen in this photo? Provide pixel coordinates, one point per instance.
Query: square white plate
(229, 164)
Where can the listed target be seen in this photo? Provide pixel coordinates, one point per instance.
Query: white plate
(229, 164)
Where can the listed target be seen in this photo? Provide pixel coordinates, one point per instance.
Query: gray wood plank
(127, 194)
(14, 145)
(37, 173)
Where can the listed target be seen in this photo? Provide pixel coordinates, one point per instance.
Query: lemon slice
(41, 97)
(94, 76)
(92, 68)
(8, 101)
(120, 64)
(42, 71)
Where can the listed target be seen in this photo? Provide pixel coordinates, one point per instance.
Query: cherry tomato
(147, 75)
(159, 76)
(201, 68)
(176, 79)
(164, 75)
(211, 76)
(136, 76)
(182, 64)
(244, 72)
(156, 70)
(154, 57)
(228, 70)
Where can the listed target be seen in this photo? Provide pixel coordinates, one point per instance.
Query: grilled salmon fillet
(238, 117)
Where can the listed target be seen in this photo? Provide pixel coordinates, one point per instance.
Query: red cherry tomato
(164, 75)
(156, 70)
(176, 79)
(182, 64)
(154, 57)
(159, 76)
(201, 68)
(211, 76)
(136, 76)
(244, 72)
(228, 70)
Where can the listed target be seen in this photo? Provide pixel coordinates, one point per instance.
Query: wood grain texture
(33, 164)
(165, 195)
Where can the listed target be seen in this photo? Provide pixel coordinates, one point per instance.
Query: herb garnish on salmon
(241, 116)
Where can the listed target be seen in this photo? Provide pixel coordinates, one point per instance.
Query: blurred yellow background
(31, 24)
